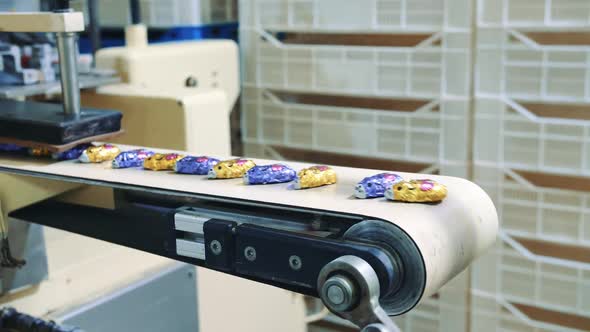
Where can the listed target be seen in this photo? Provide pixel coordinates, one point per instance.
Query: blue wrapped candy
(267, 174)
(11, 148)
(195, 165)
(131, 158)
(73, 153)
(376, 185)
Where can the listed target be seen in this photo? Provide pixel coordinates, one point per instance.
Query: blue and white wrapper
(195, 165)
(73, 153)
(12, 148)
(268, 174)
(376, 185)
(131, 158)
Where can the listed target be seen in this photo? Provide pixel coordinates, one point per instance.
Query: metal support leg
(349, 287)
(68, 65)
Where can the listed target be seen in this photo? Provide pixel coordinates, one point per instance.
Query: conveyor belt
(449, 235)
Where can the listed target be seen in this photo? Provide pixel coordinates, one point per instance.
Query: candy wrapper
(376, 185)
(39, 152)
(73, 153)
(99, 154)
(315, 176)
(195, 165)
(11, 148)
(132, 158)
(417, 191)
(162, 162)
(230, 169)
(268, 174)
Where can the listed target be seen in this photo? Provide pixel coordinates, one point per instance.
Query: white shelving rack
(532, 116)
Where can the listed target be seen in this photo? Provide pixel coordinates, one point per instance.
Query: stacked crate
(377, 79)
(369, 83)
(532, 155)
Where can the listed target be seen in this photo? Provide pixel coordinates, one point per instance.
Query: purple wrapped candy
(376, 185)
(195, 165)
(267, 174)
(131, 158)
(11, 148)
(73, 153)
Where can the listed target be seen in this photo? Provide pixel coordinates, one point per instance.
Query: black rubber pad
(47, 123)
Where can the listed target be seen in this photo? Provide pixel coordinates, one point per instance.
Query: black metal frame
(145, 221)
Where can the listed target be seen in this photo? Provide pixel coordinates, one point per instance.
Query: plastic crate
(494, 314)
(530, 210)
(439, 64)
(168, 13)
(357, 15)
(533, 65)
(430, 131)
(516, 273)
(534, 13)
(528, 136)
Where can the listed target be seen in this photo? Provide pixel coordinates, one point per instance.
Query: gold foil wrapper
(315, 176)
(162, 162)
(40, 152)
(417, 191)
(231, 169)
(100, 153)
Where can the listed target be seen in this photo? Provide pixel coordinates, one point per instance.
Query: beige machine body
(173, 95)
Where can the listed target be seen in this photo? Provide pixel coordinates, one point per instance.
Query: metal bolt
(295, 262)
(339, 293)
(336, 294)
(191, 82)
(215, 247)
(250, 253)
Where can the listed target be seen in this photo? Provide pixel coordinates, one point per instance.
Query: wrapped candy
(417, 191)
(267, 174)
(230, 169)
(162, 162)
(195, 165)
(4, 147)
(132, 158)
(315, 176)
(376, 185)
(99, 154)
(73, 153)
(39, 152)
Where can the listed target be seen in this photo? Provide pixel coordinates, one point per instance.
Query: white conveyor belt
(449, 235)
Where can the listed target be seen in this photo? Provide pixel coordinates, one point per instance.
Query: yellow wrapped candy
(162, 162)
(417, 191)
(99, 154)
(40, 152)
(230, 169)
(315, 176)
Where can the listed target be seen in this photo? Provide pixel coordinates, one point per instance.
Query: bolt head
(295, 262)
(250, 253)
(216, 247)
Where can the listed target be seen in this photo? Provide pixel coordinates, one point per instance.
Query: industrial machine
(367, 259)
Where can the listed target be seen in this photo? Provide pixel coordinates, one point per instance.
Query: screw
(191, 82)
(295, 262)
(215, 247)
(250, 253)
(336, 294)
(339, 293)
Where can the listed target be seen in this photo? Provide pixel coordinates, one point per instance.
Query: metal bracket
(349, 287)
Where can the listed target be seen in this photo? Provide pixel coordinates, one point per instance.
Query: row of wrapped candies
(251, 173)
(389, 185)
